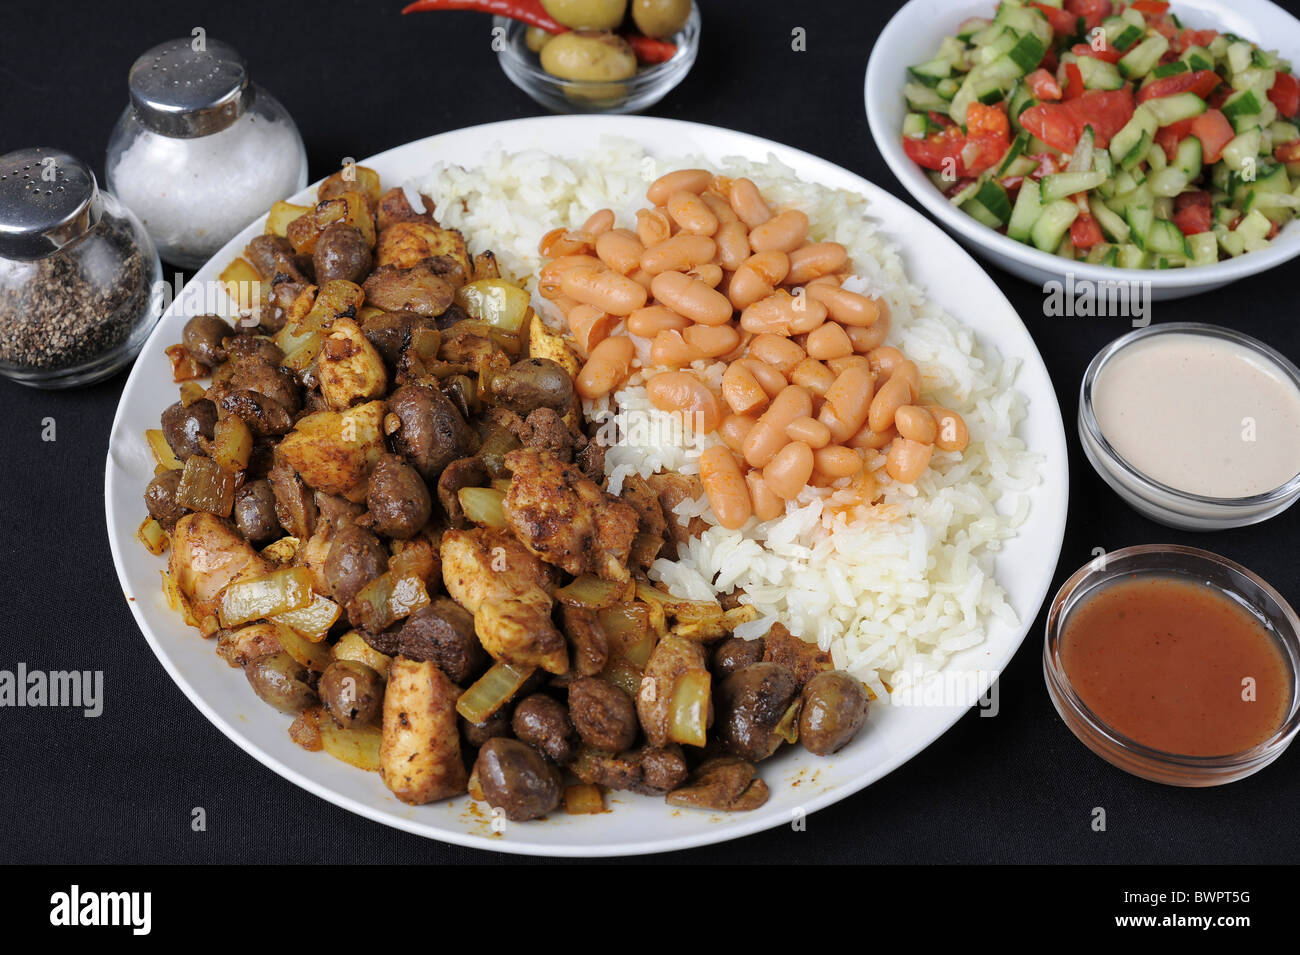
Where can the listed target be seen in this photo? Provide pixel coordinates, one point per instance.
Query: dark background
(358, 78)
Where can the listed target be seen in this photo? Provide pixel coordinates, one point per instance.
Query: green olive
(535, 38)
(660, 18)
(586, 14)
(589, 56)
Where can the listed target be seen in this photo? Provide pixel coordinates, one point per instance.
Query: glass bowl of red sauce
(1175, 664)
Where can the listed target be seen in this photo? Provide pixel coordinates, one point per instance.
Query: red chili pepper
(650, 50)
(529, 11)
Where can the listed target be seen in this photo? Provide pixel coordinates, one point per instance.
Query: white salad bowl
(913, 36)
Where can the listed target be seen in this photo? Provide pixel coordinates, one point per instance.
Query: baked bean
(848, 402)
(769, 377)
(771, 266)
(607, 367)
(671, 349)
(600, 222)
(747, 287)
(679, 180)
(741, 391)
(778, 351)
(865, 339)
(603, 288)
(725, 487)
(691, 298)
(650, 321)
(840, 365)
(814, 376)
(564, 303)
(620, 249)
(951, 431)
(828, 341)
(748, 202)
(907, 460)
(866, 439)
(720, 207)
(783, 314)
(683, 251)
(768, 436)
(815, 260)
(847, 307)
(885, 360)
(916, 423)
(548, 280)
(713, 340)
(653, 226)
(733, 430)
(767, 506)
(912, 375)
(560, 242)
(692, 213)
(708, 273)
(785, 232)
(788, 472)
(590, 326)
(642, 278)
(834, 281)
(836, 461)
(810, 431)
(681, 391)
(732, 240)
(893, 394)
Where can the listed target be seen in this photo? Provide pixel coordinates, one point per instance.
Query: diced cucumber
(1081, 159)
(1131, 257)
(1244, 103)
(1014, 151)
(1188, 158)
(1020, 166)
(1198, 58)
(1165, 238)
(1204, 247)
(916, 126)
(1144, 57)
(1242, 150)
(1112, 225)
(922, 99)
(1026, 212)
(1254, 227)
(1156, 159)
(1099, 75)
(1062, 184)
(1284, 132)
(999, 47)
(1027, 53)
(972, 26)
(989, 205)
(966, 192)
(1128, 147)
(1169, 69)
(1121, 34)
(1174, 109)
(931, 71)
(947, 89)
(1254, 78)
(1052, 224)
(1239, 56)
(1139, 218)
(1021, 98)
(1231, 242)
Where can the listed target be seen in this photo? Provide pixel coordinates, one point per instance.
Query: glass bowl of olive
(615, 56)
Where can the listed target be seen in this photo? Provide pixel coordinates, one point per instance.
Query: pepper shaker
(80, 283)
(201, 151)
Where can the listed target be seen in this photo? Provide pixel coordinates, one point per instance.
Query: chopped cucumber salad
(1109, 132)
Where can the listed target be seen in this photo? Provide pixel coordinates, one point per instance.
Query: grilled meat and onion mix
(383, 507)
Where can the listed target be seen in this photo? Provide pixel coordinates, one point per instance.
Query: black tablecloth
(359, 79)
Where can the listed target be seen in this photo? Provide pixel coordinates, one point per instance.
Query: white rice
(891, 590)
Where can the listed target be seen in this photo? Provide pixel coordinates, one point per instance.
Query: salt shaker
(80, 283)
(201, 151)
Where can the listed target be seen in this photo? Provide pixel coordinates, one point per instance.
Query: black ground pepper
(75, 305)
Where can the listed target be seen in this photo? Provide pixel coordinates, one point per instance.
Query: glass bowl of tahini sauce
(1195, 426)
(1174, 664)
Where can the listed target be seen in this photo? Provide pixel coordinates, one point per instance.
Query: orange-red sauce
(1166, 663)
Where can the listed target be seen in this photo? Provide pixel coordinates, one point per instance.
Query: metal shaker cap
(179, 91)
(48, 198)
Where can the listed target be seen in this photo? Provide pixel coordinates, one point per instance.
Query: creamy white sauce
(1200, 414)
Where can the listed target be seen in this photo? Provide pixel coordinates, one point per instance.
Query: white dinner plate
(636, 824)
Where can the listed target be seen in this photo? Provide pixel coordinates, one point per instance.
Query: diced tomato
(1050, 62)
(1063, 22)
(1073, 81)
(1170, 32)
(1200, 82)
(1085, 233)
(987, 120)
(1107, 53)
(1214, 131)
(1151, 8)
(1047, 165)
(1190, 38)
(1168, 137)
(1287, 152)
(941, 119)
(957, 187)
(1192, 212)
(1092, 11)
(1044, 86)
(982, 152)
(1012, 184)
(1285, 94)
(934, 151)
(1061, 124)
